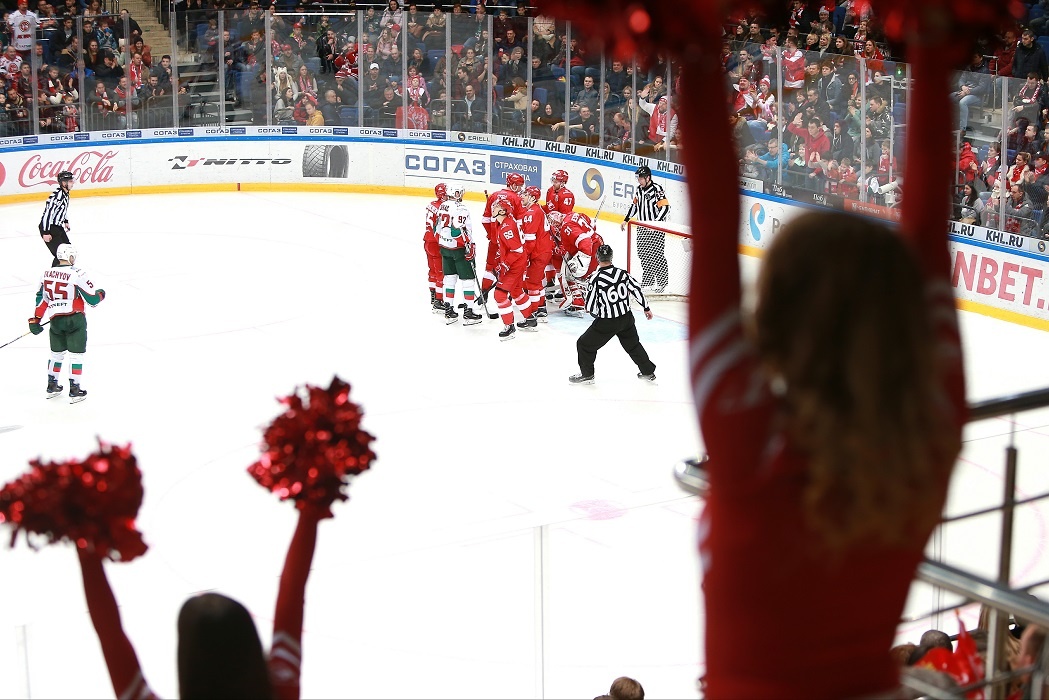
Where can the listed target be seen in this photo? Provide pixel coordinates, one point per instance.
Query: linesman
(608, 301)
(650, 204)
(54, 223)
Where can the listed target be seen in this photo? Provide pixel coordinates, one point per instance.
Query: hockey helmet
(643, 171)
(456, 192)
(514, 181)
(66, 251)
(441, 191)
(559, 176)
(534, 192)
(65, 176)
(556, 219)
(501, 207)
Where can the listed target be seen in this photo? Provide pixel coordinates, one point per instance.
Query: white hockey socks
(449, 287)
(470, 294)
(76, 367)
(54, 365)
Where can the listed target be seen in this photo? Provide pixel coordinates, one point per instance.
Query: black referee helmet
(643, 171)
(65, 176)
(604, 253)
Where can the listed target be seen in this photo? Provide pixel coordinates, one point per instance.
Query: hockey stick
(484, 298)
(24, 335)
(600, 206)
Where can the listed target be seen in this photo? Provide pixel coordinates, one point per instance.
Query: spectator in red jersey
(812, 135)
(1004, 56)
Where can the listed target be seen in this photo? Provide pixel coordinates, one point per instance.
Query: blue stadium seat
(981, 154)
(1037, 214)
(435, 55)
(1043, 41)
(1035, 12)
(348, 116)
(540, 94)
(985, 197)
(499, 91)
(558, 71)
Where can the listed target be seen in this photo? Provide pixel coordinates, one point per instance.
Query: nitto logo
(593, 184)
(183, 162)
(757, 218)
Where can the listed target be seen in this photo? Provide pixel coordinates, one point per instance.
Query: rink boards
(996, 274)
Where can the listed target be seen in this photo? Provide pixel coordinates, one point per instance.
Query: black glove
(34, 326)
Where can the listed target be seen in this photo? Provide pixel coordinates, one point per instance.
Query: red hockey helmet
(559, 176)
(514, 181)
(501, 207)
(534, 192)
(441, 191)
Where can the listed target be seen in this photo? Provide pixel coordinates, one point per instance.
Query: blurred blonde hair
(841, 321)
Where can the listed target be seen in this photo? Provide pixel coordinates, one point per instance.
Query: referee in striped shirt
(54, 223)
(608, 301)
(650, 204)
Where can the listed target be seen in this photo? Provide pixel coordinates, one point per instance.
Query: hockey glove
(101, 294)
(65, 225)
(34, 326)
(471, 251)
(559, 251)
(501, 269)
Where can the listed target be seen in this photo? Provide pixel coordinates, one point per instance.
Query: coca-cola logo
(87, 167)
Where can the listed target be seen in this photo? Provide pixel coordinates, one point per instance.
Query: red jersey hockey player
(579, 244)
(509, 289)
(558, 197)
(433, 250)
(539, 246)
(512, 194)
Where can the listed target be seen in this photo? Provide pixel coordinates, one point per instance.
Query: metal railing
(1000, 597)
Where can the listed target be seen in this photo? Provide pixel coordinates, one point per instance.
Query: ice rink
(517, 536)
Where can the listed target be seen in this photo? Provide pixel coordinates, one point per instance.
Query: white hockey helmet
(556, 219)
(66, 251)
(455, 192)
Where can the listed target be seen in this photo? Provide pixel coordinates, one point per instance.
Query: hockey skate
(580, 379)
(541, 314)
(471, 317)
(53, 387)
(647, 377)
(450, 315)
(529, 324)
(76, 394)
(508, 332)
(574, 311)
(439, 306)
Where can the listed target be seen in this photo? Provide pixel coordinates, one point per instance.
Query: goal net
(660, 258)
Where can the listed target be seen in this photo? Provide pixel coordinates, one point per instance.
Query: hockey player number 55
(56, 290)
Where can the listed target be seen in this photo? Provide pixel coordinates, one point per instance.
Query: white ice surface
(517, 537)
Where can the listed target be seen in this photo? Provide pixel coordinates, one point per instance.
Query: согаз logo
(593, 184)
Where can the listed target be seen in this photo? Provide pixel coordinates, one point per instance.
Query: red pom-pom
(311, 449)
(92, 503)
